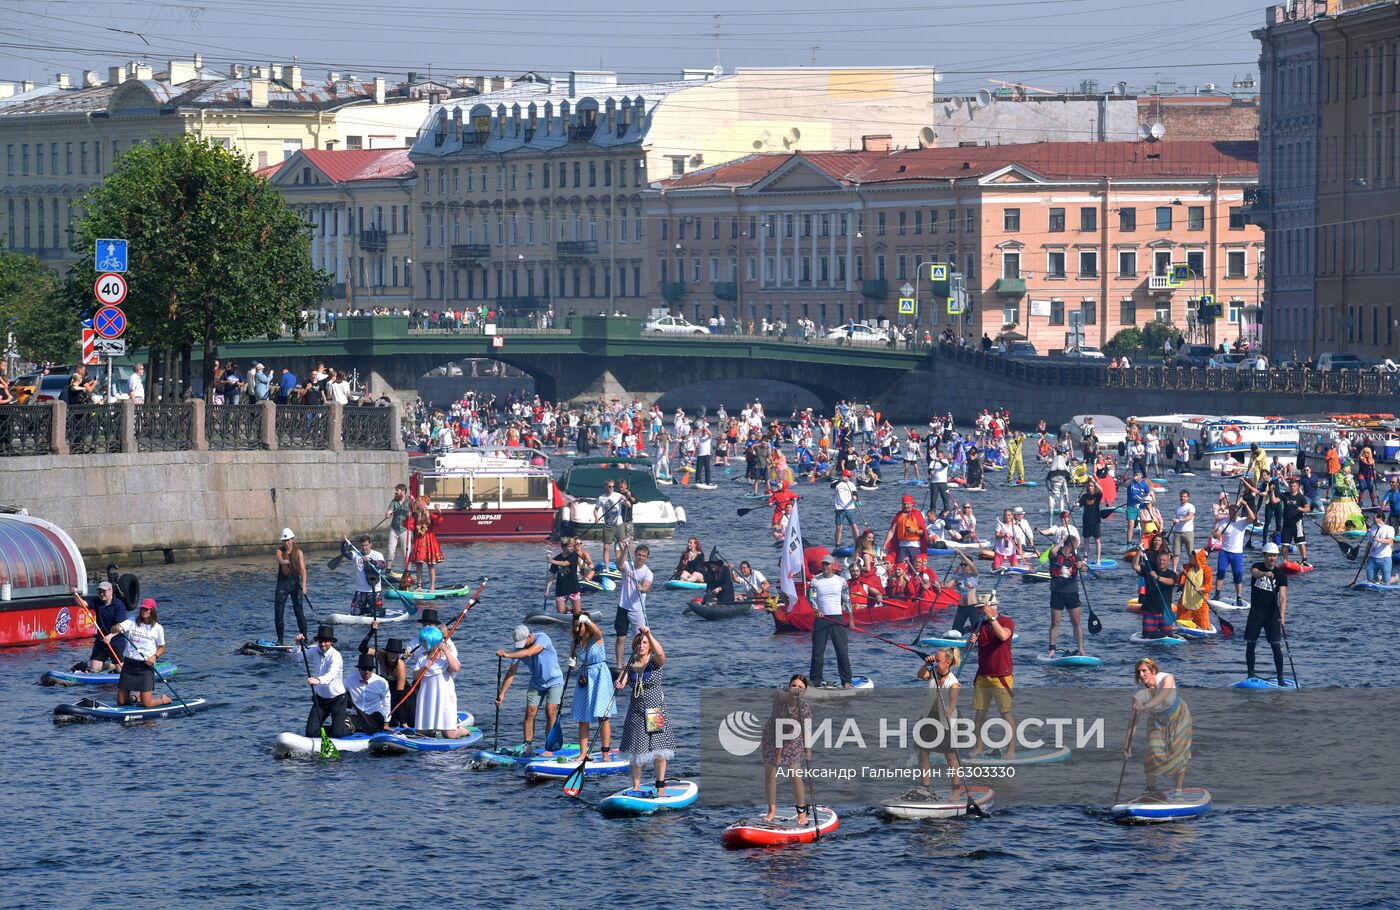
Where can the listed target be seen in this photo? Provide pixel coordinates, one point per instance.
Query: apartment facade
(359, 206)
(1045, 235)
(59, 140)
(535, 196)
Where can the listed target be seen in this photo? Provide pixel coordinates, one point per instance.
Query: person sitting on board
(691, 566)
(908, 533)
(145, 644)
(391, 666)
(368, 599)
(719, 583)
(1169, 728)
(328, 699)
(994, 679)
(790, 707)
(536, 652)
(1196, 581)
(754, 584)
(108, 608)
(937, 669)
(964, 525)
(1159, 582)
(369, 696)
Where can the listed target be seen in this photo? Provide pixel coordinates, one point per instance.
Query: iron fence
(365, 427)
(233, 427)
(25, 430)
(164, 427)
(95, 429)
(303, 426)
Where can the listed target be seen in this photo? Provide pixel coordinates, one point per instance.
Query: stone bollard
(128, 427)
(269, 425)
(199, 439)
(395, 426)
(335, 438)
(58, 428)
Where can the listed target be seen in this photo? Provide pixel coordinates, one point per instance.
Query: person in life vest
(908, 533)
(782, 500)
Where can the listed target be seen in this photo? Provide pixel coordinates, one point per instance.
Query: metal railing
(164, 427)
(25, 430)
(95, 429)
(302, 426)
(233, 427)
(365, 427)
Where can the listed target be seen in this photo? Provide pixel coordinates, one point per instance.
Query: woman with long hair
(425, 543)
(791, 709)
(594, 699)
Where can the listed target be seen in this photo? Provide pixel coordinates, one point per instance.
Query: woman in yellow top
(1016, 466)
(1196, 581)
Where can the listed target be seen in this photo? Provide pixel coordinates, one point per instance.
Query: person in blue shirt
(286, 384)
(108, 608)
(1312, 487)
(1138, 491)
(1391, 500)
(262, 380)
(536, 652)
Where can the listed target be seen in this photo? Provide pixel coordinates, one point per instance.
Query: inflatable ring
(1227, 433)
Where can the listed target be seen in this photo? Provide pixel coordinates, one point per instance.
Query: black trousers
(333, 708)
(702, 468)
(825, 630)
(288, 587)
(367, 723)
(938, 499)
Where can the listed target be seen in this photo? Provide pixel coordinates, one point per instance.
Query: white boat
(653, 515)
(1110, 430)
(497, 493)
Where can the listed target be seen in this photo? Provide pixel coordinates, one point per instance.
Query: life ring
(1231, 435)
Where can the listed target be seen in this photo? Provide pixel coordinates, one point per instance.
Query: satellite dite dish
(984, 97)
(1121, 88)
(1143, 131)
(718, 70)
(1158, 131)
(927, 137)
(794, 134)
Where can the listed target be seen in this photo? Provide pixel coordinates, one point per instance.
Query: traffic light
(1207, 309)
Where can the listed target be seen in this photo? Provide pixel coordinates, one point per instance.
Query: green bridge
(600, 356)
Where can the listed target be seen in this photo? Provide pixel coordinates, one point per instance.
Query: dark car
(1193, 355)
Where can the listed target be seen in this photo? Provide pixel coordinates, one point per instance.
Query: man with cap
(1065, 567)
(1061, 530)
(908, 533)
(368, 599)
(1022, 533)
(939, 499)
(291, 582)
(846, 501)
(830, 597)
(393, 668)
(369, 696)
(1139, 491)
(536, 652)
(327, 685)
(1268, 603)
(108, 609)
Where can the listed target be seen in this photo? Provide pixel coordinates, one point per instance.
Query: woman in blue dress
(594, 696)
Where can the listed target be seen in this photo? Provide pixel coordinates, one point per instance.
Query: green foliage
(33, 308)
(215, 254)
(1138, 343)
(1126, 341)
(1154, 333)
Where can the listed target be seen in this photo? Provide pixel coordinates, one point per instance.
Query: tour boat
(582, 484)
(39, 568)
(497, 493)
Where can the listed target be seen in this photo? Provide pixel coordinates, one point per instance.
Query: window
(1127, 219)
(1162, 310)
(1164, 218)
(1055, 264)
(903, 223)
(677, 165)
(1161, 262)
(919, 221)
(1088, 219)
(514, 177)
(1057, 311)
(1196, 218)
(970, 220)
(1234, 263)
(1010, 219)
(1127, 312)
(1127, 263)
(1088, 264)
(751, 269)
(1196, 259)
(607, 173)
(1088, 311)
(880, 223)
(1236, 218)
(1011, 265)
(952, 221)
(544, 179)
(901, 269)
(592, 174)
(1057, 221)
(933, 221)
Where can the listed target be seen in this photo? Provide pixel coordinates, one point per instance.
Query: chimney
(294, 77)
(199, 61)
(63, 80)
(257, 91)
(378, 89)
(90, 79)
(115, 75)
(143, 71)
(877, 143)
(181, 72)
(255, 72)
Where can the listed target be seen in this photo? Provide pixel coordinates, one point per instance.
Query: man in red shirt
(994, 671)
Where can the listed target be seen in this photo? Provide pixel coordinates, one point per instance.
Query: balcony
(333, 291)
(575, 249)
(875, 289)
(465, 253)
(374, 240)
(726, 290)
(673, 290)
(582, 132)
(520, 304)
(1160, 284)
(1011, 287)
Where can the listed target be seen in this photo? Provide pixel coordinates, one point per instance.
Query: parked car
(1022, 349)
(860, 333)
(1193, 355)
(24, 386)
(1226, 361)
(1254, 362)
(1329, 362)
(675, 325)
(1086, 351)
(51, 387)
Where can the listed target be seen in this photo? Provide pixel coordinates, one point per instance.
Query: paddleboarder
(1065, 568)
(789, 705)
(145, 643)
(647, 737)
(536, 652)
(632, 594)
(565, 569)
(1231, 533)
(1295, 506)
(846, 501)
(595, 700)
(291, 582)
(1268, 603)
(369, 696)
(1091, 501)
(108, 609)
(937, 671)
(1159, 583)
(1378, 546)
(368, 599)
(328, 699)
(1169, 728)
(994, 679)
(394, 669)
(397, 516)
(831, 597)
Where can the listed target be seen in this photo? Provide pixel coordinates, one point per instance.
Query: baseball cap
(1271, 548)
(104, 586)
(828, 561)
(521, 635)
(1018, 511)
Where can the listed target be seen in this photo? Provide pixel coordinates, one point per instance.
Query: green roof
(586, 478)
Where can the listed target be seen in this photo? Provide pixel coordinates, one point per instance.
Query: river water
(197, 812)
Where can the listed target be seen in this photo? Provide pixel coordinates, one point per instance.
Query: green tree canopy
(32, 307)
(215, 255)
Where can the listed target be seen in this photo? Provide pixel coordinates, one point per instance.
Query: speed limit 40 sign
(110, 288)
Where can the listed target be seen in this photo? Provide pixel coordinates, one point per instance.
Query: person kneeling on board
(719, 583)
(394, 669)
(536, 651)
(369, 696)
(108, 609)
(327, 685)
(145, 643)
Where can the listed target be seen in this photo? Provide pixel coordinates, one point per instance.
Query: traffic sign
(938, 271)
(907, 306)
(498, 341)
(110, 288)
(109, 322)
(1181, 272)
(88, 339)
(110, 347)
(110, 256)
(907, 290)
(955, 306)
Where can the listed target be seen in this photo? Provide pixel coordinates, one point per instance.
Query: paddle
(1094, 625)
(973, 810)
(573, 784)
(476, 596)
(1127, 753)
(1289, 649)
(496, 728)
(554, 740)
(1369, 547)
(161, 676)
(335, 561)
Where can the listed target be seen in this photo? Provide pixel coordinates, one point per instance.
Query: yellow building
(533, 197)
(60, 139)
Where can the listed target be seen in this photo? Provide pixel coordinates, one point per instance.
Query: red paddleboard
(780, 831)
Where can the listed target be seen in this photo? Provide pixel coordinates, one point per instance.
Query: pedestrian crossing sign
(938, 271)
(1181, 272)
(908, 306)
(955, 307)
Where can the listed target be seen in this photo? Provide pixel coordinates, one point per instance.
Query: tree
(215, 254)
(1125, 341)
(1138, 343)
(33, 309)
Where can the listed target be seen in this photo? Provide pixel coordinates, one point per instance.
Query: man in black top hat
(369, 696)
(325, 677)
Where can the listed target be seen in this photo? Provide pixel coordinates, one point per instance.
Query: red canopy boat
(800, 616)
(39, 567)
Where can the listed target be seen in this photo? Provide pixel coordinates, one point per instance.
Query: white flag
(790, 564)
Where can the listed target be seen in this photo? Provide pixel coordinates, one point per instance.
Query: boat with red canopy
(800, 616)
(39, 568)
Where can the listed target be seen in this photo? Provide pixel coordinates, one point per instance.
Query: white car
(675, 325)
(860, 333)
(1226, 361)
(1086, 351)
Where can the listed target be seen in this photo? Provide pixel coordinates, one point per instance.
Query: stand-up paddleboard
(560, 766)
(781, 831)
(264, 646)
(843, 551)
(1258, 682)
(1177, 473)
(560, 619)
(1011, 570)
(836, 690)
(1227, 605)
(706, 486)
(755, 496)
(514, 758)
(1137, 639)
(400, 742)
(1069, 661)
(1351, 535)
(1035, 577)
(1194, 802)
(84, 678)
(1193, 632)
(1103, 564)
(294, 745)
(416, 596)
(1024, 483)
(678, 585)
(1047, 755)
(1295, 568)
(1373, 586)
(677, 794)
(92, 709)
(388, 614)
(951, 639)
(587, 585)
(920, 803)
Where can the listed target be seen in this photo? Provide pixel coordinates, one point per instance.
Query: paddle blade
(328, 749)
(1095, 626)
(573, 784)
(555, 740)
(334, 562)
(1227, 630)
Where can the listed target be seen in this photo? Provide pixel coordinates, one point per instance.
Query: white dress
(437, 693)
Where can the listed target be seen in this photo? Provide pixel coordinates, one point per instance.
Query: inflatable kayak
(1258, 682)
(561, 766)
(289, 745)
(84, 678)
(922, 803)
(1373, 586)
(415, 596)
(388, 614)
(1193, 802)
(782, 830)
(264, 646)
(400, 742)
(92, 709)
(1137, 639)
(709, 609)
(560, 619)
(677, 794)
(676, 584)
(1069, 661)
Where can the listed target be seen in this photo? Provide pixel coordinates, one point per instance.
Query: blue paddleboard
(677, 794)
(1258, 682)
(1069, 661)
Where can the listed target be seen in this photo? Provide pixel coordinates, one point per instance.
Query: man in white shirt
(939, 500)
(1183, 531)
(752, 581)
(608, 511)
(1231, 533)
(369, 569)
(704, 452)
(830, 597)
(327, 687)
(845, 503)
(632, 596)
(136, 385)
(1021, 530)
(369, 696)
(1378, 551)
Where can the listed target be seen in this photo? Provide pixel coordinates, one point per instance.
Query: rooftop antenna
(718, 20)
(814, 55)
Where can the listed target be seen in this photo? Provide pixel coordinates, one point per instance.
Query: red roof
(347, 165)
(1052, 160)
